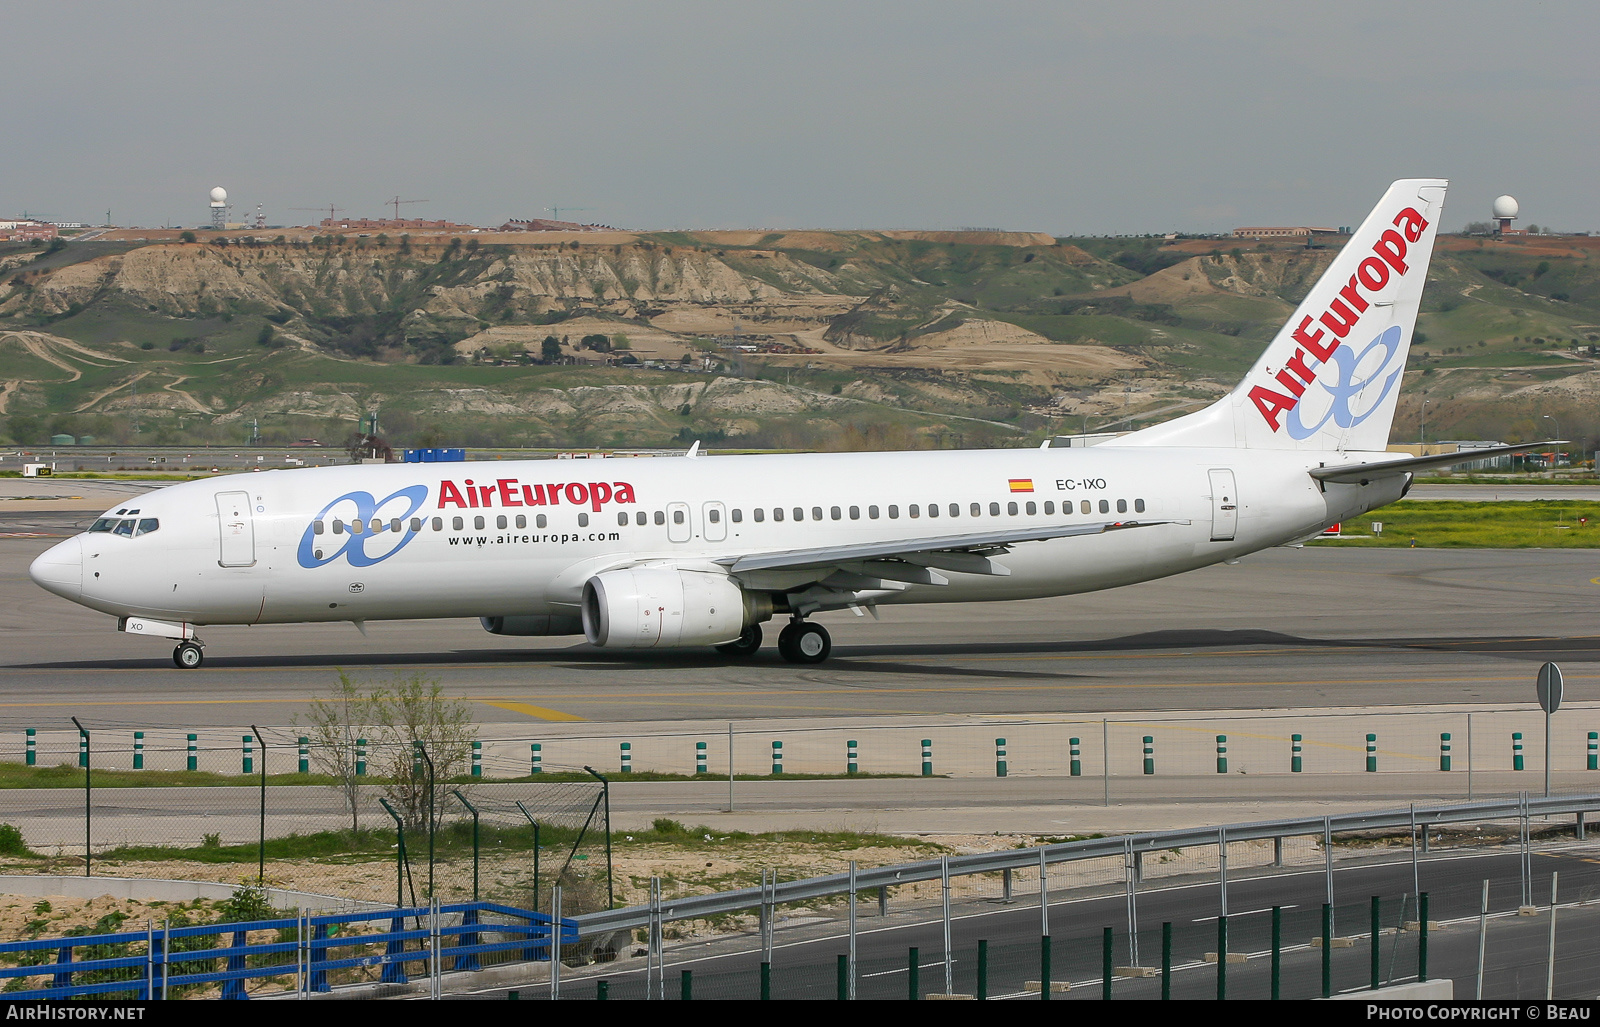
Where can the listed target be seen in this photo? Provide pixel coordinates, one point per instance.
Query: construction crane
(555, 212)
(330, 208)
(396, 201)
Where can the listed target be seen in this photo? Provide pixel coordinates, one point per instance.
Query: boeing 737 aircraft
(701, 551)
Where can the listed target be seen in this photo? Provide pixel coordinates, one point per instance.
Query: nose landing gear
(189, 655)
(804, 642)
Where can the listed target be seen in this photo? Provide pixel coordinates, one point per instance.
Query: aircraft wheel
(188, 655)
(745, 646)
(804, 642)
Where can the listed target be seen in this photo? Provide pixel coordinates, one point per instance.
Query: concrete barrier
(1416, 991)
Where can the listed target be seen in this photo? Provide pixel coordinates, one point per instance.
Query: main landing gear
(189, 655)
(804, 642)
(745, 645)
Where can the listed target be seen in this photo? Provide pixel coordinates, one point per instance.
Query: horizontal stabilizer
(1360, 474)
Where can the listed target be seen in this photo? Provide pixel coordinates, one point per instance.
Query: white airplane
(664, 553)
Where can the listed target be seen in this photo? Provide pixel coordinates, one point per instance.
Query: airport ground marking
(537, 712)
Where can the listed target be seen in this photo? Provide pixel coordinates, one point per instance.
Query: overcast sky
(1063, 117)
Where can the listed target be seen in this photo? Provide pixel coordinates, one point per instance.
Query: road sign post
(1548, 687)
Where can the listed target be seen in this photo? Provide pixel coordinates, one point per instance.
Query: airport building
(1289, 232)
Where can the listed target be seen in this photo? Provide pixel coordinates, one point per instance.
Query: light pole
(1554, 453)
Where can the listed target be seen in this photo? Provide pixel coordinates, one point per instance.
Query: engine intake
(664, 607)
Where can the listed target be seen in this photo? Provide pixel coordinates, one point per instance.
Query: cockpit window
(124, 528)
(103, 524)
(147, 525)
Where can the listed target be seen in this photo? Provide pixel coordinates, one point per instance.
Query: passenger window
(872, 512)
(835, 513)
(416, 524)
(761, 515)
(661, 518)
(147, 525)
(316, 527)
(855, 513)
(355, 526)
(738, 515)
(894, 512)
(477, 523)
(677, 517)
(955, 509)
(338, 525)
(1105, 507)
(1011, 508)
(977, 509)
(622, 519)
(522, 520)
(777, 513)
(994, 509)
(816, 513)
(438, 524)
(124, 528)
(500, 522)
(714, 516)
(541, 521)
(1032, 509)
(1049, 506)
(583, 520)
(1122, 506)
(913, 511)
(394, 524)
(456, 524)
(641, 518)
(799, 513)
(1085, 506)
(376, 526)
(107, 523)
(1138, 506)
(933, 509)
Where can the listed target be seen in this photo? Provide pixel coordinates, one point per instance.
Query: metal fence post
(1377, 922)
(842, 978)
(1166, 960)
(983, 969)
(1327, 949)
(949, 956)
(1277, 951)
(1105, 963)
(555, 942)
(852, 901)
(1422, 935)
(88, 798)
(1044, 968)
(686, 985)
(913, 968)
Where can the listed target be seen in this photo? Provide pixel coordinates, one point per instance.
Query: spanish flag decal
(1021, 484)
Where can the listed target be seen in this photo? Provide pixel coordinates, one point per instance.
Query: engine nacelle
(533, 624)
(662, 607)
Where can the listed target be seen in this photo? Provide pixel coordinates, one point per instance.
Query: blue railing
(311, 945)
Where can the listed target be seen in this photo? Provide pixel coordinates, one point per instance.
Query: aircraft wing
(963, 552)
(1360, 474)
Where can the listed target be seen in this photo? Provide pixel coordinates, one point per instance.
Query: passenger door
(1224, 505)
(237, 530)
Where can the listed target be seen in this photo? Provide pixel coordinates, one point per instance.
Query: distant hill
(766, 339)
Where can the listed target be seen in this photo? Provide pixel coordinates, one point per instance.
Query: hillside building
(1290, 232)
(27, 230)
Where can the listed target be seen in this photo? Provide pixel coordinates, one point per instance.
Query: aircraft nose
(59, 569)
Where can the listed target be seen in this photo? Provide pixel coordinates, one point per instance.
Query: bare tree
(333, 725)
(413, 712)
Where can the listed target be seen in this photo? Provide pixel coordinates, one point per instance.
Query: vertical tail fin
(1331, 378)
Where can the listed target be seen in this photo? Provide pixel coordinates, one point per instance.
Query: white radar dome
(1505, 207)
(220, 195)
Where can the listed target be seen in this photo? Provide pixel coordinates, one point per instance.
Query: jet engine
(663, 607)
(533, 624)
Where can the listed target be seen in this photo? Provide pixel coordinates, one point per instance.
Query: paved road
(805, 955)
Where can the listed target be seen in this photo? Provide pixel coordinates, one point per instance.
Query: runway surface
(1286, 628)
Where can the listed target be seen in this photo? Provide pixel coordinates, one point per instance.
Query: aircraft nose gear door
(238, 530)
(1224, 505)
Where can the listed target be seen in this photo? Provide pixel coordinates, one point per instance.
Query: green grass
(1543, 524)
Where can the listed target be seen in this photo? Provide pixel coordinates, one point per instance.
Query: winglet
(694, 450)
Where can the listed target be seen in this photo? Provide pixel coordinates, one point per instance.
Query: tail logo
(366, 518)
(1348, 387)
(1320, 343)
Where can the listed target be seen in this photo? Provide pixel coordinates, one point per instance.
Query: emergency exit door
(238, 531)
(1224, 505)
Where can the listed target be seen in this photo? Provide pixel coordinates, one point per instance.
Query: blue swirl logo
(365, 547)
(1347, 404)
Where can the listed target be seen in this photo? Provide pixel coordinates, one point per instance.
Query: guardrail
(808, 889)
(307, 946)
